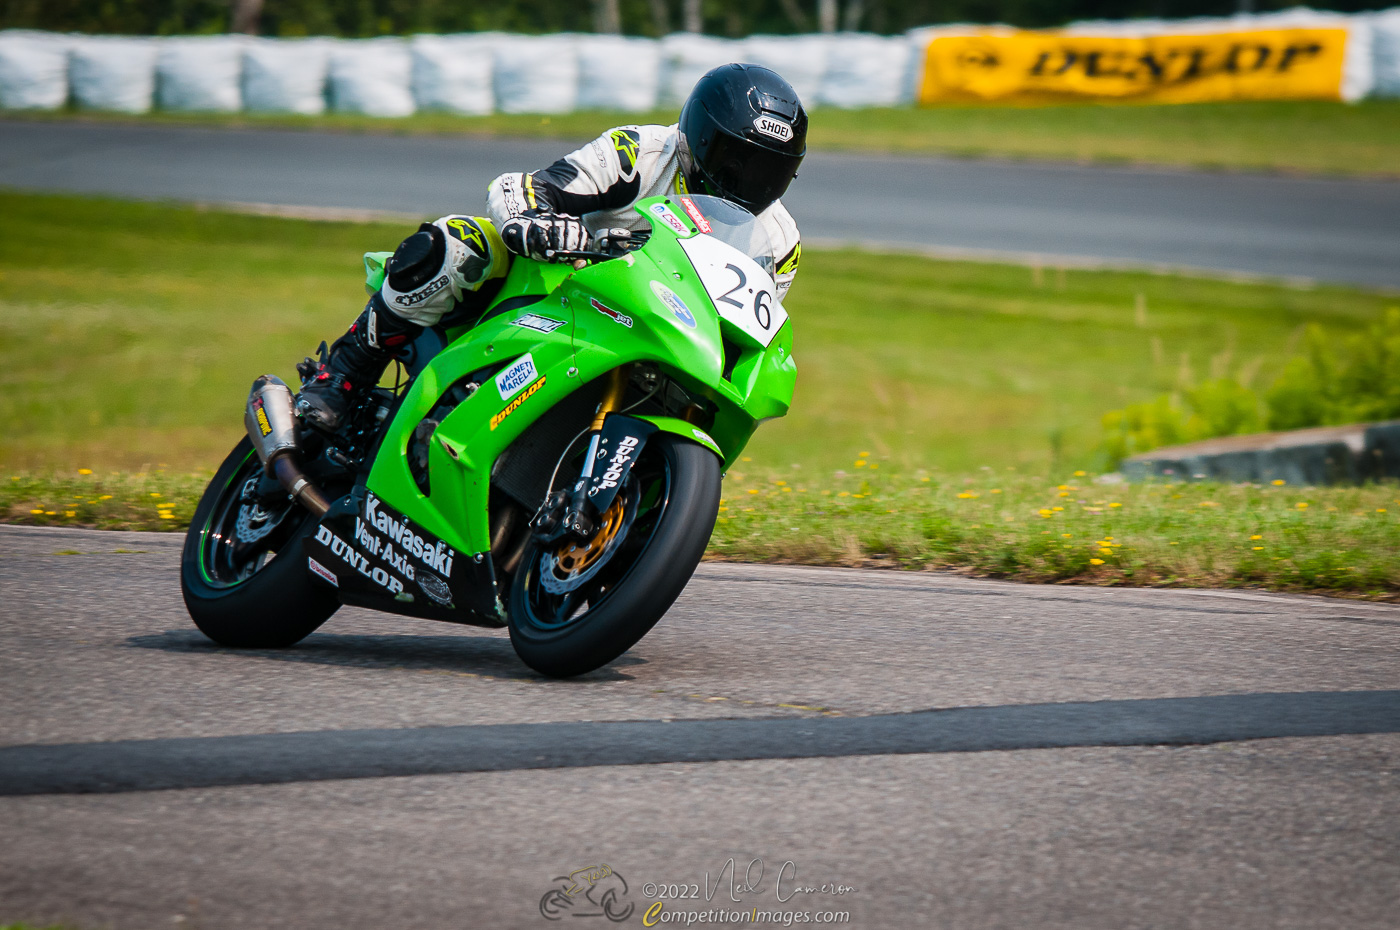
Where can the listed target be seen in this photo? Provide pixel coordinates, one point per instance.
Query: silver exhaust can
(269, 419)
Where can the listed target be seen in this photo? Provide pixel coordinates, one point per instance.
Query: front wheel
(574, 609)
(244, 571)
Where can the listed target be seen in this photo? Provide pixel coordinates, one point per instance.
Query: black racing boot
(354, 365)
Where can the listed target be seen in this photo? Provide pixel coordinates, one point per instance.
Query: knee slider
(417, 259)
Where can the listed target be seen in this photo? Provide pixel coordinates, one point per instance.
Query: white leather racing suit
(599, 183)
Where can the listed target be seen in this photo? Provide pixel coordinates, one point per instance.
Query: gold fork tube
(612, 394)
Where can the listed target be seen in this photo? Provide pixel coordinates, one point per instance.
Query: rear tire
(673, 495)
(241, 589)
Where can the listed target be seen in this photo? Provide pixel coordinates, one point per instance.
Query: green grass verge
(134, 356)
(1315, 137)
(999, 524)
(1007, 525)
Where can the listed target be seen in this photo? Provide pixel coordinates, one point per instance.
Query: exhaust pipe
(271, 426)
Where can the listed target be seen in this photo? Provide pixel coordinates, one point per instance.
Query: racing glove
(534, 235)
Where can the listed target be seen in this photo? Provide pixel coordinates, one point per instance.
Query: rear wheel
(574, 609)
(243, 572)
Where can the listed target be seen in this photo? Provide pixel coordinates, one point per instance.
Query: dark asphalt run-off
(278, 758)
(1329, 229)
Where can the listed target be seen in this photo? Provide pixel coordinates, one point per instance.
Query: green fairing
(587, 347)
(376, 268)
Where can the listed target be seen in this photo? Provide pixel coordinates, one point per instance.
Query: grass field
(133, 356)
(1320, 137)
(136, 350)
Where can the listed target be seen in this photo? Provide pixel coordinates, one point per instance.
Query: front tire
(593, 609)
(243, 572)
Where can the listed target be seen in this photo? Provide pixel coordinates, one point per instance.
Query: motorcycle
(552, 466)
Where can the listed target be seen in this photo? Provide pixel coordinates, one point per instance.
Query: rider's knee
(433, 268)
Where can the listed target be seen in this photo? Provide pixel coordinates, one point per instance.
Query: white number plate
(743, 292)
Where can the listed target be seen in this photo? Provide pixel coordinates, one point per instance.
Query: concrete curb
(1319, 456)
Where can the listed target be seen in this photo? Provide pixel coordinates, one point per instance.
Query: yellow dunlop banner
(1050, 67)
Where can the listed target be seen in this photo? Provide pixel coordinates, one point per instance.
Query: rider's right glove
(536, 235)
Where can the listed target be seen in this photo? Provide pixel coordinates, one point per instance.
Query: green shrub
(1222, 407)
(1334, 382)
(1355, 382)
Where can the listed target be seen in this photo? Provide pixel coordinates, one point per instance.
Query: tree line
(365, 18)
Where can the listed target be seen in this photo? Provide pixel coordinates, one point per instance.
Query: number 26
(762, 312)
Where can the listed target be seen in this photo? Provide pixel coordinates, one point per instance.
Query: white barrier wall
(113, 73)
(536, 74)
(1385, 53)
(480, 73)
(866, 71)
(286, 76)
(200, 73)
(33, 70)
(371, 76)
(454, 73)
(617, 73)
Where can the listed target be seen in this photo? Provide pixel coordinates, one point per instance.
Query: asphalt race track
(1325, 229)
(959, 752)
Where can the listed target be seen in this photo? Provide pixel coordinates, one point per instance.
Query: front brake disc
(571, 566)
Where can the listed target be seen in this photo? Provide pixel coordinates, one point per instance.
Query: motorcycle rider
(741, 136)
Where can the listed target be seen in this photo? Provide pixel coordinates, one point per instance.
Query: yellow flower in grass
(753, 490)
(155, 494)
(70, 513)
(860, 463)
(865, 455)
(1046, 512)
(1115, 504)
(85, 471)
(1301, 505)
(105, 497)
(1279, 482)
(1057, 509)
(1256, 536)
(844, 494)
(36, 511)
(1105, 551)
(1080, 474)
(1096, 561)
(1257, 548)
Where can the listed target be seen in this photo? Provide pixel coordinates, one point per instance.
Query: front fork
(570, 512)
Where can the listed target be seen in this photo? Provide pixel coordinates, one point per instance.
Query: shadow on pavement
(464, 654)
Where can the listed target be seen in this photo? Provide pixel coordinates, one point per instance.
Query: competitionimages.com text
(658, 914)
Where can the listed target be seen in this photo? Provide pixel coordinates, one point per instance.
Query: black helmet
(743, 134)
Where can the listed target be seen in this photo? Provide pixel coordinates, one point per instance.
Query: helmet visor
(749, 174)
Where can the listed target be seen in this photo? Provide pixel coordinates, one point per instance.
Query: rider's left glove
(538, 235)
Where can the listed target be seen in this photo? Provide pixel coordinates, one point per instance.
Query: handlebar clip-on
(611, 244)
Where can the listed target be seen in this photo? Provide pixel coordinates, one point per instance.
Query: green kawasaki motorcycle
(553, 467)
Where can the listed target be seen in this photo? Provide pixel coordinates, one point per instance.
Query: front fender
(685, 430)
